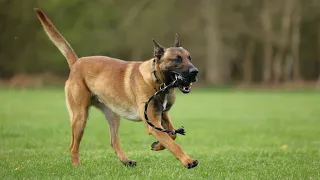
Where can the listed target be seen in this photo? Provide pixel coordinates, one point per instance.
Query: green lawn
(233, 134)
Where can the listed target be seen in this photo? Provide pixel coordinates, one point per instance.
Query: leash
(175, 131)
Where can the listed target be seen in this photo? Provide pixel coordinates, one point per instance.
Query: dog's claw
(192, 164)
(130, 163)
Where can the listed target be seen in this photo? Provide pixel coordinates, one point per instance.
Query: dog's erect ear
(176, 41)
(158, 49)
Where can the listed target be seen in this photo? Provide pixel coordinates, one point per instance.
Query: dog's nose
(193, 74)
(193, 71)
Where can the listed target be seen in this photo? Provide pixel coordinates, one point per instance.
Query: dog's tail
(57, 38)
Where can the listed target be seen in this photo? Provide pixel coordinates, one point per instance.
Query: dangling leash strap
(176, 131)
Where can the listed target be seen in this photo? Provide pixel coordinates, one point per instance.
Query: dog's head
(176, 63)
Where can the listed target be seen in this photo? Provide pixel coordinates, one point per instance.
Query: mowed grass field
(233, 134)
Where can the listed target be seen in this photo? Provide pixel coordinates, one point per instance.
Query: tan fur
(119, 89)
(57, 38)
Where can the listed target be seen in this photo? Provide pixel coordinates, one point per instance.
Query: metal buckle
(163, 86)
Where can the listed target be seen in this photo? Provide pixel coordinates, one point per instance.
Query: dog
(120, 89)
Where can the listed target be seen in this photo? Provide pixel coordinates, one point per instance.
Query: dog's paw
(192, 164)
(130, 163)
(157, 146)
(75, 161)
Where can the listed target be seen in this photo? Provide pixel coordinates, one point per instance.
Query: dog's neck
(157, 76)
(154, 74)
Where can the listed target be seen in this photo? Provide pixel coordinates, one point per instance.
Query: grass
(233, 134)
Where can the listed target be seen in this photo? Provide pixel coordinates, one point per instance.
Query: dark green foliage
(124, 29)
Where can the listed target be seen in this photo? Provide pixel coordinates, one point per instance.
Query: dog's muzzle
(184, 82)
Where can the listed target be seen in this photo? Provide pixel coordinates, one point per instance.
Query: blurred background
(232, 42)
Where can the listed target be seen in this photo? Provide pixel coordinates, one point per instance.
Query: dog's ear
(176, 41)
(158, 49)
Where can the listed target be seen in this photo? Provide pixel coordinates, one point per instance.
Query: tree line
(250, 41)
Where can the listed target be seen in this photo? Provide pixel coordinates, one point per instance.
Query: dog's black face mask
(185, 75)
(175, 64)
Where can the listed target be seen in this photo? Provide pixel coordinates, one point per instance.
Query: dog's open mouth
(182, 83)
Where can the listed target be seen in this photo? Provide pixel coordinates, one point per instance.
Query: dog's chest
(165, 102)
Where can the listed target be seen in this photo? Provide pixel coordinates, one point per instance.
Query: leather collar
(154, 73)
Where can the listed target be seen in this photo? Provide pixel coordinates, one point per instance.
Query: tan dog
(120, 89)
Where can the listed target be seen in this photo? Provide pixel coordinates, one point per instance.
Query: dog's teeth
(186, 88)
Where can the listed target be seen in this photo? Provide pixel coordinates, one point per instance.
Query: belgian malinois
(120, 89)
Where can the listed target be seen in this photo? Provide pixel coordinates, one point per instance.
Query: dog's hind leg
(166, 124)
(114, 124)
(78, 102)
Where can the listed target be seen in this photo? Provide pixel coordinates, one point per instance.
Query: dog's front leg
(167, 124)
(154, 116)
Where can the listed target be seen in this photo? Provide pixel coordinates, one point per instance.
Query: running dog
(120, 89)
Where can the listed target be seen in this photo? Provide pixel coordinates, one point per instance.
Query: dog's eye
(178, 59)
(189, 57)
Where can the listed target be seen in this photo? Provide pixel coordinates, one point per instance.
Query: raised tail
(57, 38)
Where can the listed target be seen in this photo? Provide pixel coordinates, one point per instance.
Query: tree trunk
(213, 74)
(267, 43)
(283, 42)
(248, 62)
(318, 84)
(295, 44)
(133, 12)
(288, 67)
